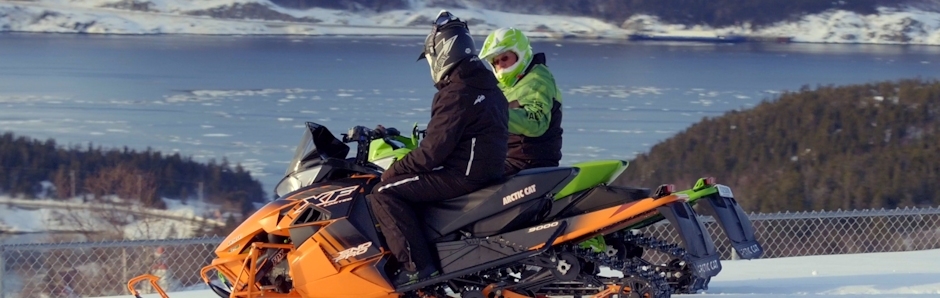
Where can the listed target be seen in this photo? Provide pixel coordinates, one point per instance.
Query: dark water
(245, 98)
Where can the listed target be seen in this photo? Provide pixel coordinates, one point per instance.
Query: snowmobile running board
(562, 227)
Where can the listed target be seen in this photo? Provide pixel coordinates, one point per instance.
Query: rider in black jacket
(464, 149)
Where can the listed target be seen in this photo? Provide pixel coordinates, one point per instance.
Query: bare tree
(126, 183)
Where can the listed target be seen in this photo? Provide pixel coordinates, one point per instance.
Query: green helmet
(501, 41)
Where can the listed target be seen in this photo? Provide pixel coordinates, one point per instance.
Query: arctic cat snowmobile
(512, 239)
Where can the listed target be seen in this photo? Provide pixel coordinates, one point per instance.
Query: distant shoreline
(541, 36)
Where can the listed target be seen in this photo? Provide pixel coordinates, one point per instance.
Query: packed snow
(909, 25)
(898, 274)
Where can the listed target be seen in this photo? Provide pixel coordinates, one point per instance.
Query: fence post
(2, 267)
(123, 264)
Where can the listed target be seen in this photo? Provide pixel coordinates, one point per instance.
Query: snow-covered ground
(900, 274)
(891, 26)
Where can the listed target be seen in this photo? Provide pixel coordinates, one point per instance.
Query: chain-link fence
(102, 268)
(826, 233)
(94, 269)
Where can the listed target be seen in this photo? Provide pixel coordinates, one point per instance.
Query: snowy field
(888, 26)
(901, 274)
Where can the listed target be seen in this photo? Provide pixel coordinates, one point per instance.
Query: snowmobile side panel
(698, 243)
(591, 174)
(518, 216)
(585, 226)
(599, 197)
(345, 244)
(325, 267)
(361, 280)
(343, 200)
(734, 222)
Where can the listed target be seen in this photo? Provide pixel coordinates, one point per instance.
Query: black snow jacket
(468, 130)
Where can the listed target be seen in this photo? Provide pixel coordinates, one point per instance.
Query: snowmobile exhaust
(732, 219)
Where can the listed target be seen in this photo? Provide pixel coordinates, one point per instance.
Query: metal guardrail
(102, 268)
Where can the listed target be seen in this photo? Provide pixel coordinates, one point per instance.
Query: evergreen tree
(848, 147)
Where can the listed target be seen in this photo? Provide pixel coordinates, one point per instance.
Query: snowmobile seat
(450, 215)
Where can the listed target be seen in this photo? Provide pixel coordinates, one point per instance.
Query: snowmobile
(511, 239)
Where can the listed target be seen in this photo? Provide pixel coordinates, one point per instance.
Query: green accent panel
(378, 149)
(694, 194)
(591, 174)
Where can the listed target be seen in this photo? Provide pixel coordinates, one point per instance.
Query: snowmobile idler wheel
(636, 287)
(567, 267)
(617, 248)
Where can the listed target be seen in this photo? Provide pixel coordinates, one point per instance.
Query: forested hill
(715, 13)
(833, 147)
(25, 163)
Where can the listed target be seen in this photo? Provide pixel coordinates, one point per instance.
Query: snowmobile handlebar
(363, 136)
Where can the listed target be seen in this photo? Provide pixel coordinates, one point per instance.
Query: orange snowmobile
(319, 238)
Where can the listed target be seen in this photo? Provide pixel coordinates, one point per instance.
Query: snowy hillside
(42, 218)
(908, 26)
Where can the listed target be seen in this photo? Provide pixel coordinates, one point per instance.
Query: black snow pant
(514, 166)
(393, 202)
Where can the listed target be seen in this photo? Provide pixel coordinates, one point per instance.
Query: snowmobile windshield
(317, 144)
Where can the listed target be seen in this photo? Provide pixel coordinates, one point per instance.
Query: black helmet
(448, 43)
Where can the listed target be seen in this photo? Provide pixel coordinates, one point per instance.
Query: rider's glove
(380, 130)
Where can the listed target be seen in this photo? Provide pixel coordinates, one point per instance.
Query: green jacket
(535, 114)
